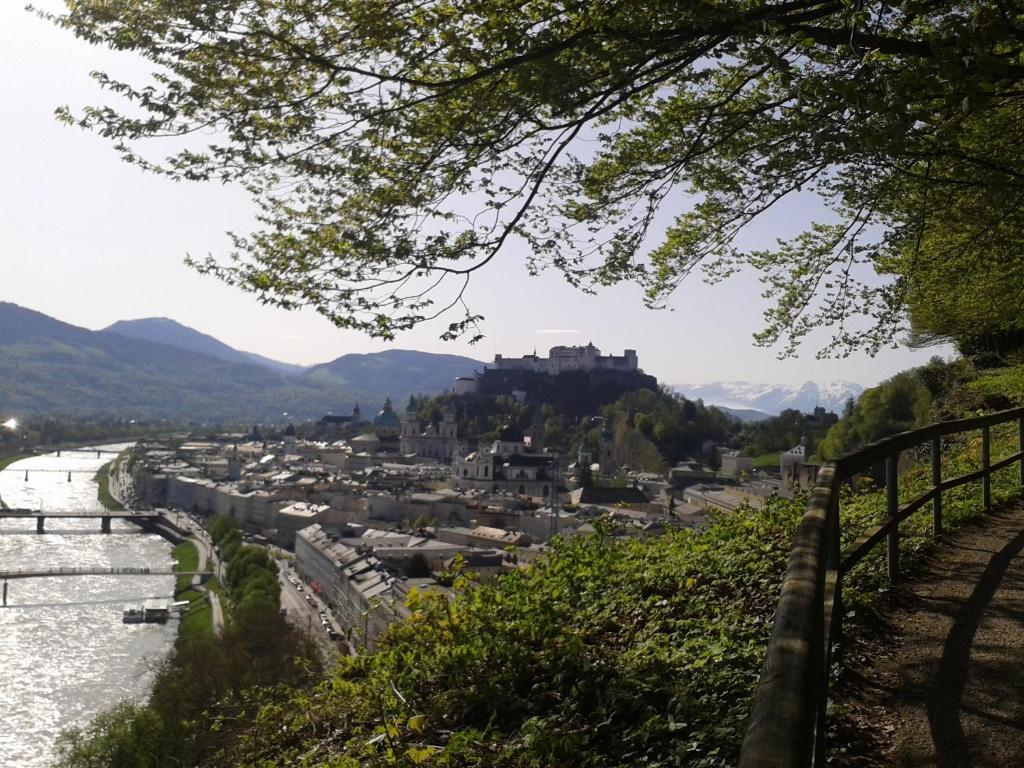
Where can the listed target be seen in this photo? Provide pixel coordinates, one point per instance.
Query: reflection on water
(64, 652)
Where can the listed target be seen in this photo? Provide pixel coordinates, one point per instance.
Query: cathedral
(436, 441)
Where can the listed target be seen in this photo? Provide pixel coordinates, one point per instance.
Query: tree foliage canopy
(397, 146)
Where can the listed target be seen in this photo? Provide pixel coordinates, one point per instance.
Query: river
(65, 655)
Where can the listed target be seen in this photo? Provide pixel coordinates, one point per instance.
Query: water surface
(65, 655)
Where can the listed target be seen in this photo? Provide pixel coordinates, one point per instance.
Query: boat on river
(133, 614)
(154, 610)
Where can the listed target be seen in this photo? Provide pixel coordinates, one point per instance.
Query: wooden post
(835, 559)
(1020, 447)
(892, 508)
(986, 479)
(936, 482)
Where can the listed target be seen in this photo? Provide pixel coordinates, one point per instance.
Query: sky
(90, 240)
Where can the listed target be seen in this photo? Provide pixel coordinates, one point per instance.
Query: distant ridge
(398, 372)
(166, 331)
(745, 414)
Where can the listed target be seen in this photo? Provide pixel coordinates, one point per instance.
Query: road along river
(65, 654)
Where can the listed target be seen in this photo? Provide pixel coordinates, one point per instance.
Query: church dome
(387, 417)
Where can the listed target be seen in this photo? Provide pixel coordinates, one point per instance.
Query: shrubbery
(608, 653)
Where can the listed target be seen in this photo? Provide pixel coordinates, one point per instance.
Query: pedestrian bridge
(104, 516)
(36, 573)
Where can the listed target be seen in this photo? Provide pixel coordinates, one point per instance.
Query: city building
(435, 441)
(506, 465)
(735, 467)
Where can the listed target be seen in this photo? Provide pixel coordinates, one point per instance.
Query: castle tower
(410, 424)
(448, 426)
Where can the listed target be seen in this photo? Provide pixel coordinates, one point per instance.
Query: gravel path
(954, 682)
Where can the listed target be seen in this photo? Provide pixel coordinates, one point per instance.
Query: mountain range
(772, 399)
(157, 368)
(165, 331)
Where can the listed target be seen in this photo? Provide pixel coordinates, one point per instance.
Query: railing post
(937, 482)
(830, 619)
(1020, 447)
(986, 479)
(892, 509)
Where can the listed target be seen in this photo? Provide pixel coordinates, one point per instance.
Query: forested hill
(165, 331)
(157, 368)
(398, 372)
(51, 367)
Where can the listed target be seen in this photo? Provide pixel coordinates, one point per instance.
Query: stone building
(333, 425)
(435, 441)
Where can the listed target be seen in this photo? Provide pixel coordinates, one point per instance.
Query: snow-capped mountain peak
(774, 398)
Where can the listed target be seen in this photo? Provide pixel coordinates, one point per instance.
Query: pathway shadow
(945, 694)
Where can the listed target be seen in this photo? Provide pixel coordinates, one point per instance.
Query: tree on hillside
(790, 428)
(899, 404)
(396, 148)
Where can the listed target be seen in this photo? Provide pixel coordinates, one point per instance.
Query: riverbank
(225, 676)
(8, 460)
(5, 462)
(102, 480)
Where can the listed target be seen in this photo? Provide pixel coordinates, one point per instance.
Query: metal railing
(787, 721)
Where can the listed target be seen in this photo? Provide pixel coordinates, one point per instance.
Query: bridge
(952, 690)
(104, 516)
(99, 453)
(19, 470)
(90, 448)
(36, 573)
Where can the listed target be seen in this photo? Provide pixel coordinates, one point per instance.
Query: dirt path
(954, 682)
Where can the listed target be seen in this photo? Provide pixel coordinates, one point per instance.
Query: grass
(197, 621)
(8, 460)
(188, 560)
(1005, 383)
(102, 480)
(767, 461)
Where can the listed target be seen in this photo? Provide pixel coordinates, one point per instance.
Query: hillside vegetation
(937, 391)
(609, 652)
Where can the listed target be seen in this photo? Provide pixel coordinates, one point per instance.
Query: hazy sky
(91, 240)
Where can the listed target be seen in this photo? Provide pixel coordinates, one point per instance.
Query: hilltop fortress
(561, 359)
(576, 378)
